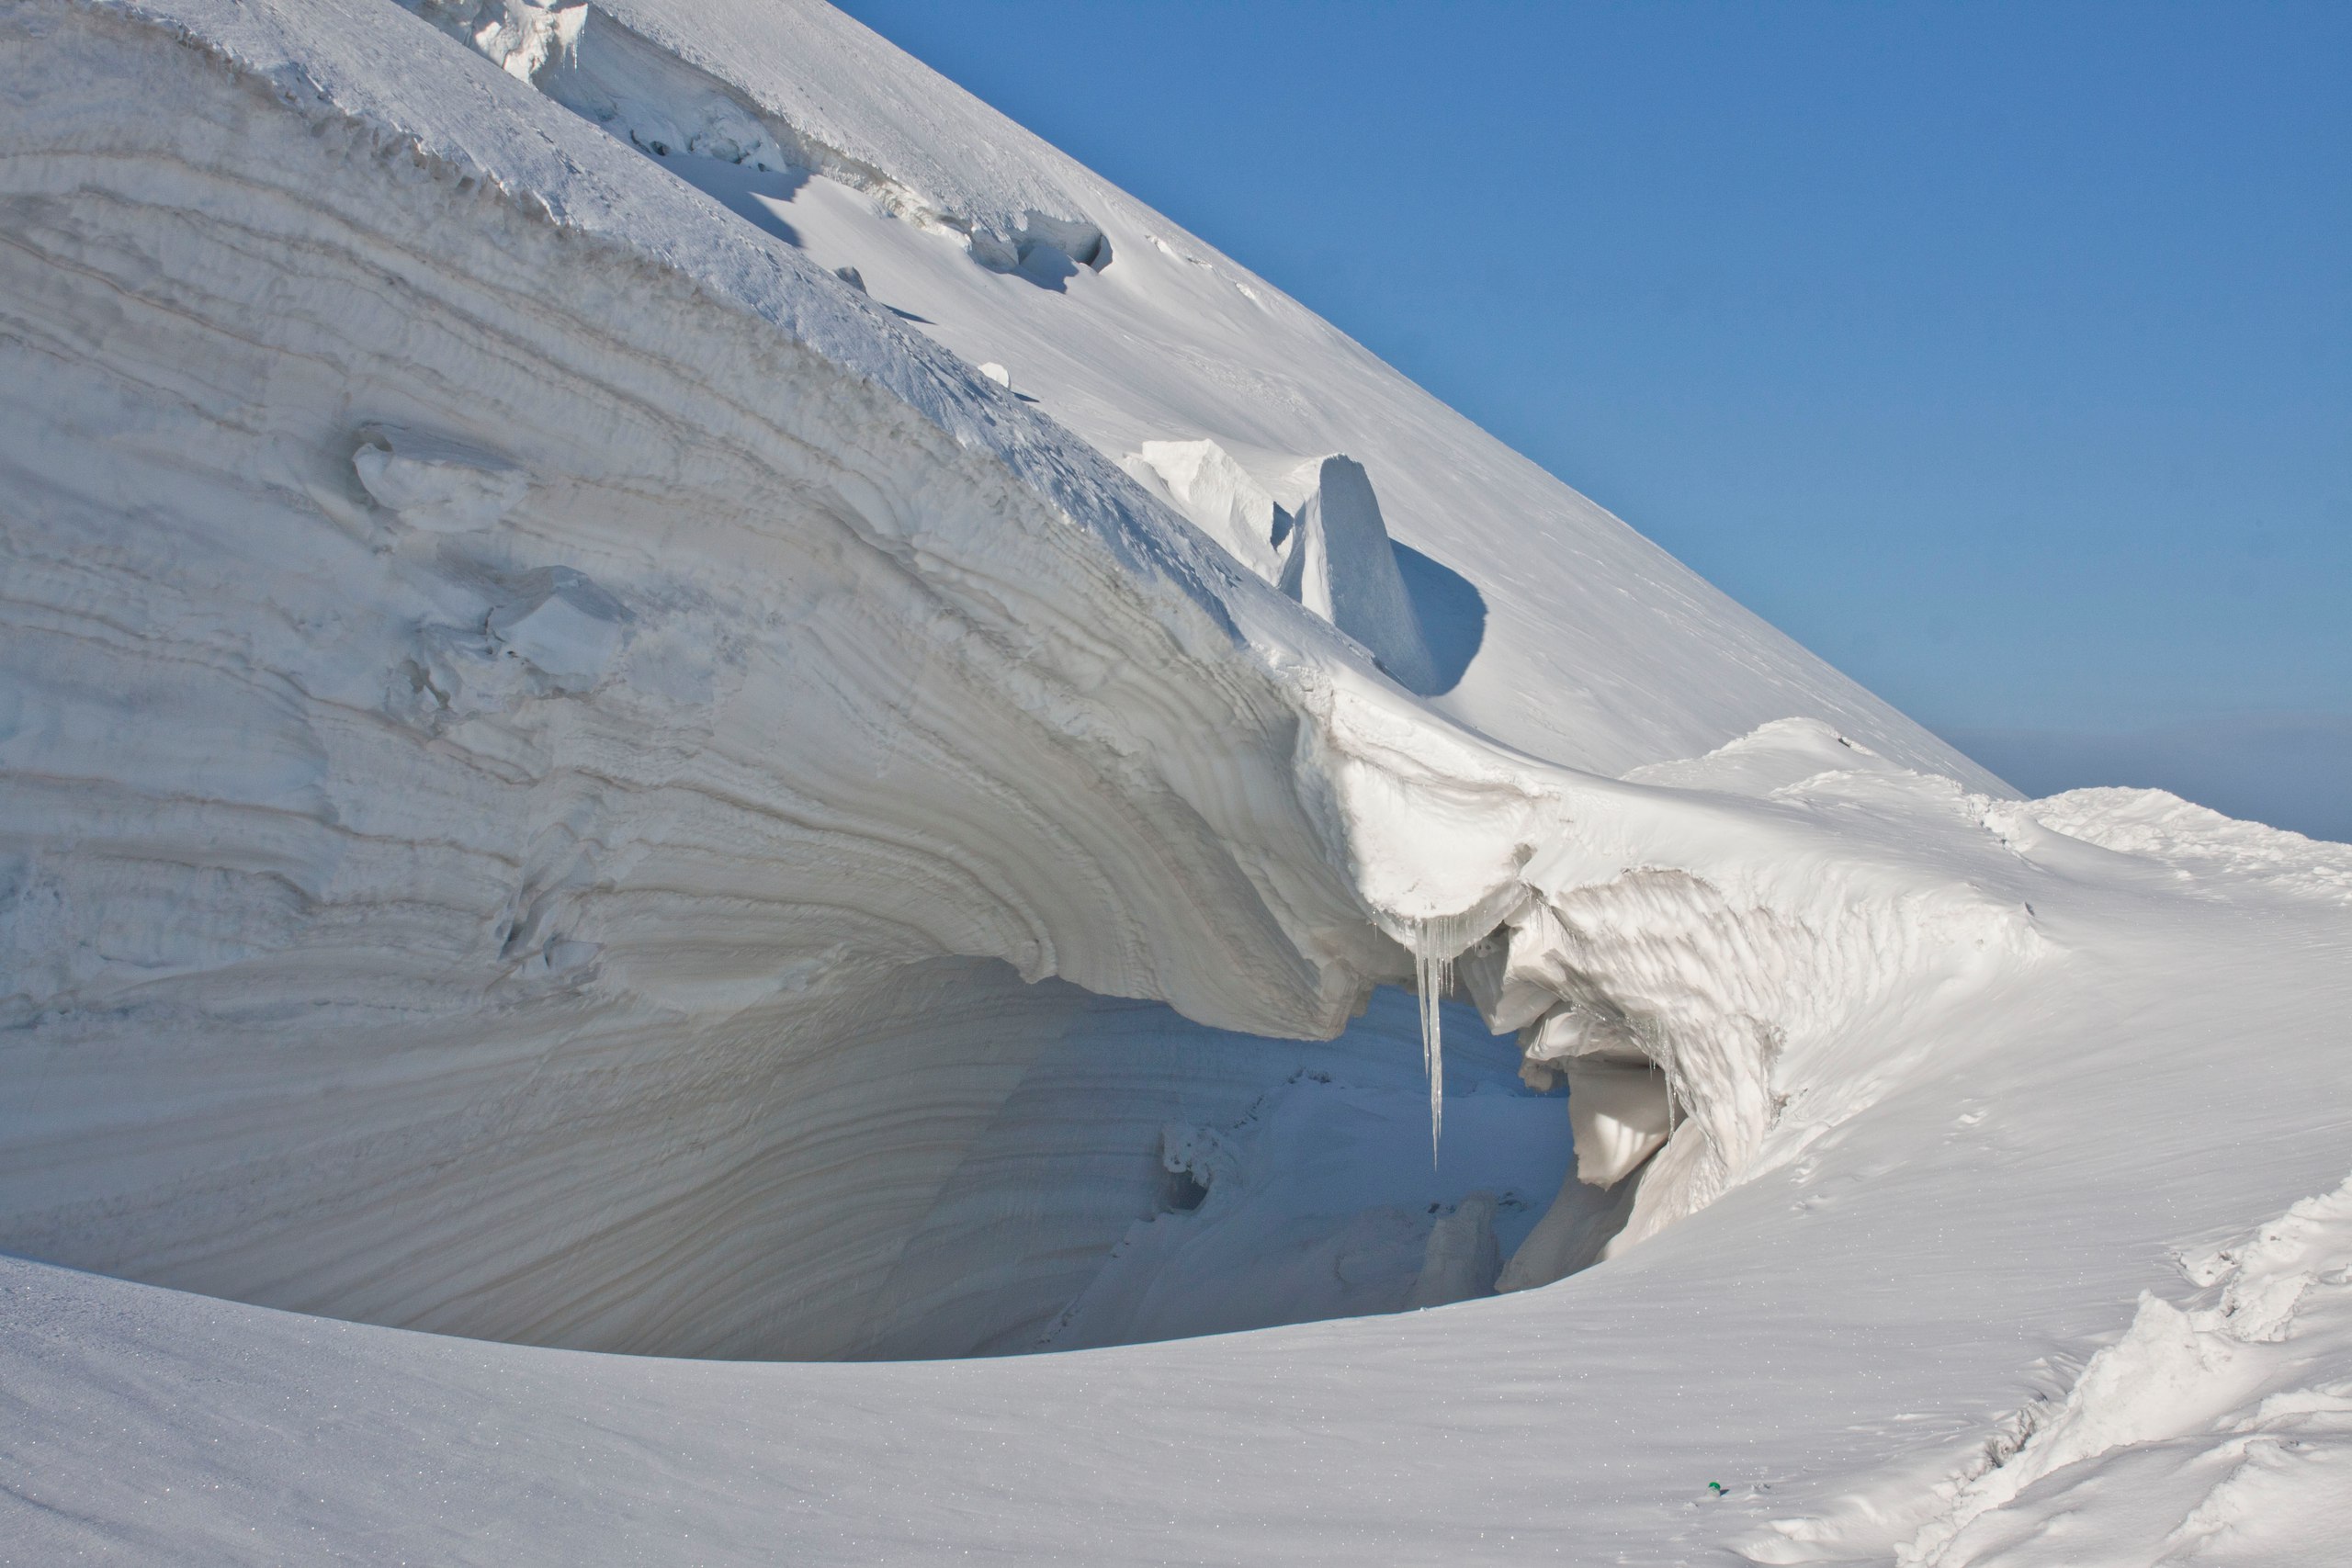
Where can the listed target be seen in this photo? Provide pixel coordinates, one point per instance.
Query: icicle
(1435, 941)
(1434, 975)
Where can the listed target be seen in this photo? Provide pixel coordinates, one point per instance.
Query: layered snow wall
(565, 767)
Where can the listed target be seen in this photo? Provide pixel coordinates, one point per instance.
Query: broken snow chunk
(1619, 1114)
(453, 674)
(991, 250)
(1045, 250)
(1046, 265)
(1220, 498)
(1083, 244)
(563, 625)
(1571, 1031)
(1568, 1031)
(1461, 1257)
(435, 484)
(998, 374)
(521, 36)
(1342, 566)
(852, 276)
(568, 952)
(1506, 999)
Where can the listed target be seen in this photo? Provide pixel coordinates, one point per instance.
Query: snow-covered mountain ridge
(636, 633)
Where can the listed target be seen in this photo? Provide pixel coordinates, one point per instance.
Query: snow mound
(2221, 1432)
(2218, 1429)
(1782, 754)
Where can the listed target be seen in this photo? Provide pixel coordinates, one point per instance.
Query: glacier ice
(1310, 1201)
(1462, 1257)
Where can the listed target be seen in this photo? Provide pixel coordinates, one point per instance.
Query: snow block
(438, 485)
(565, 627)
(1044, 249)
(1220, 498)
(1341, 567)
(1508, 1001)
(1462, 1257)
(1619, 1114)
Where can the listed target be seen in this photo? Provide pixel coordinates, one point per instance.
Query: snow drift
(548, 761)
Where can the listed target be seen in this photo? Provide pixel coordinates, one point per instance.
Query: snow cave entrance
(1152, 1179)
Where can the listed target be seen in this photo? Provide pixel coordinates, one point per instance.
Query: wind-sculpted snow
(2199, 845)
(536, 645)
(1735, 946)
(2214, 1430)
(575, 775)
(457, 856)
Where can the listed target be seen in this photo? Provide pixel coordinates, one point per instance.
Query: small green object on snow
(1716, 1487)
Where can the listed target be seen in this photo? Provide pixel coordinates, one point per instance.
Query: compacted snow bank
(2222, 1433)
(648, 843)
(2214, 1430)
(666, 692)
(549, 731)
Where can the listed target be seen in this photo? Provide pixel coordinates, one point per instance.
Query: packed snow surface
(681, 711)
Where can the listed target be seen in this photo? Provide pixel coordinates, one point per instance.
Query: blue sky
(2001, 354)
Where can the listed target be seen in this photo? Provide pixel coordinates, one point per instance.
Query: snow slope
(1599, 650)
(669, 692)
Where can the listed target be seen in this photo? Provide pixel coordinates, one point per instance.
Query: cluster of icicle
(1436, 941)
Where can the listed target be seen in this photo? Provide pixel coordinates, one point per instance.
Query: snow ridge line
(742, 274)
(529, 37)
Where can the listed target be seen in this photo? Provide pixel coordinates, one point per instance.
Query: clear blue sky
(2001, 354)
